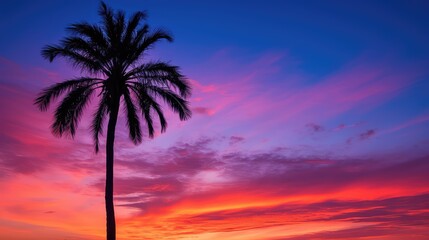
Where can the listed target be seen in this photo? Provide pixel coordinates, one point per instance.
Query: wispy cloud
(195, 185)
(362, 136)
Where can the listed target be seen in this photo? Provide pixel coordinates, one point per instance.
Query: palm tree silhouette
(111, 55)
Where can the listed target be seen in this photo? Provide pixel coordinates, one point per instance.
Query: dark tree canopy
(112, 55)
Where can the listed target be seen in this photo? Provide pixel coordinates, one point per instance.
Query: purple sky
(321, 106)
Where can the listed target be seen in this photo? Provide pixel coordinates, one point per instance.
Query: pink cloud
(409, 123)
(268, 175)
(276, 190)
(245, 104)
(355, 87)
(162, 186)
(221, 178)
(28, 147)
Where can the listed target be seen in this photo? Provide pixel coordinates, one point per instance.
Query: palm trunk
(110, 211)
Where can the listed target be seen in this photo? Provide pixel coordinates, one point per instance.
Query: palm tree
(111, 54)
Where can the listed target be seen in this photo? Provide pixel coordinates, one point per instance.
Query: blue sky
(296, 105)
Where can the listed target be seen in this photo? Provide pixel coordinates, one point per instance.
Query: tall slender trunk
(110, 211)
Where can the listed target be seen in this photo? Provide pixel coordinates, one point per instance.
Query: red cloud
(199, 187)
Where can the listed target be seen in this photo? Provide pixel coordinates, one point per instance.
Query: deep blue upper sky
(310, 42)
(323, 34)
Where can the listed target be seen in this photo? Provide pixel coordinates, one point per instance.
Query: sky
(310, 121)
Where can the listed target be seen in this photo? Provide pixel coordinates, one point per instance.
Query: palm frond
(119, 26)
(132, 24)
(154, 37)
(149, 121)
(98, 120)
(133, 122)
(174, 101)
(90, 31)
(51, 93)
(69, 112)
(78, 59)
(139, 35)
(146, 101)
(147, 41)
(107, 15)
(85, 47)
(132, 56)
(164, 74)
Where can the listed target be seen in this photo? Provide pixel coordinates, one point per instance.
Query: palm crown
(115, 51)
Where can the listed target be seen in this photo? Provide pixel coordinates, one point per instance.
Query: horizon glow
(310, 121)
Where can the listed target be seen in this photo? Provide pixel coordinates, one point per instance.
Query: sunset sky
(310, 121)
